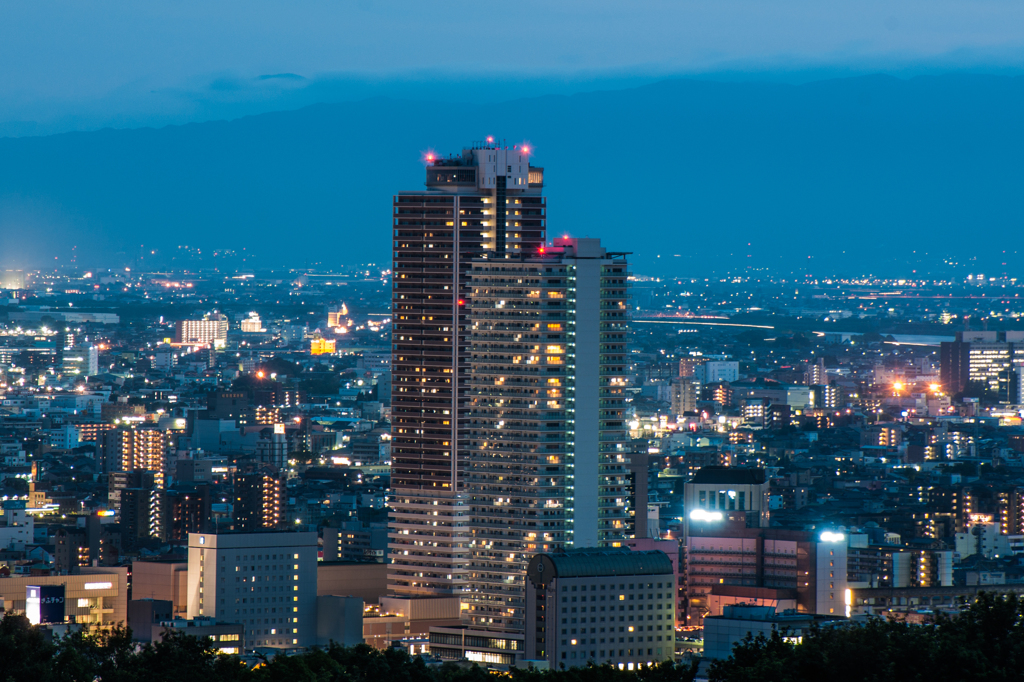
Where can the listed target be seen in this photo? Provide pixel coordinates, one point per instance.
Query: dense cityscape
(445, 453)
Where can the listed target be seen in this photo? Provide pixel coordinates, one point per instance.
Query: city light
(830, 536)
(705, 515)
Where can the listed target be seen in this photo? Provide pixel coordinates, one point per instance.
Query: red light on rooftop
(542, 249)
(526, 149)
(490, 138)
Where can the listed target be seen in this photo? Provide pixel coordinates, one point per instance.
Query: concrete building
(409, 618)
(339, 619)
(356, 541)
(984, 357)
(162, 581)
(787, 569)
(546, 429)
(94, 596)
(722, 633)
(715, 371)
(715, 490)
(211, 330)
(368, 581)
(89, 542)
(266, 581)
(485, 201)
(257, 501)
(18, 527)
(227, 638)
(602, 606)
(684, 394)
(922, 568)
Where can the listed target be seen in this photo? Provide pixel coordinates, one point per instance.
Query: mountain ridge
(850, 173)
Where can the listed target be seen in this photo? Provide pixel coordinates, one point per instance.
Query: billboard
(44, 603)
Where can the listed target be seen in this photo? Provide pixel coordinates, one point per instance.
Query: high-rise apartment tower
(485, 202)
(547, 436)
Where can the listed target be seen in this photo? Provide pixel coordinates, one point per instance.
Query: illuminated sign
(829, 536)
(44, 603)
(98, 586)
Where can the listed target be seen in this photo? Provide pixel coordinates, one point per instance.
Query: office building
(257, 501)
(716, 490)
(716, 371)
(728, 562)
(722, 633)
(162, 580)
(92, 596)
(82, 360)
(356, 541)
(546, 430)
(485, 201)
(265, 581)
(600, 606)
(225, 637)
(211, 330)
(982, 357)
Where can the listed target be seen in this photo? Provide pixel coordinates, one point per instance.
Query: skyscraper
(546, 431)
(487, 201)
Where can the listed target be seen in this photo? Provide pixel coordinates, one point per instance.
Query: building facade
(265, 581)
(257, 501)
(211, 330)
(546, 430)
(485, 201)
(983, 357)
(600, 605)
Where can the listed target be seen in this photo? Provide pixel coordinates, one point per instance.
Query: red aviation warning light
(542, 249)
(462, 301)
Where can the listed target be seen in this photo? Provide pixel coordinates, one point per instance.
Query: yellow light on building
(321, 346)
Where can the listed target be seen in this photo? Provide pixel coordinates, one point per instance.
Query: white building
(252, 324)
(265, 581)
(712, 372)
(987, 540)
(212, 329)
(548, 462)
(64, 437)
(18, 528)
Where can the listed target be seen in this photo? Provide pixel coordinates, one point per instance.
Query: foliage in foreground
(984, 642)
(26, 655)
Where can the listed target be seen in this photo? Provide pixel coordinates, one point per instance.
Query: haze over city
(555, 342)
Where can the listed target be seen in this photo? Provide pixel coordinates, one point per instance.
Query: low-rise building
(601, 605)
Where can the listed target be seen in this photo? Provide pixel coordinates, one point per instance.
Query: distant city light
(705, 515)
(830, 536)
